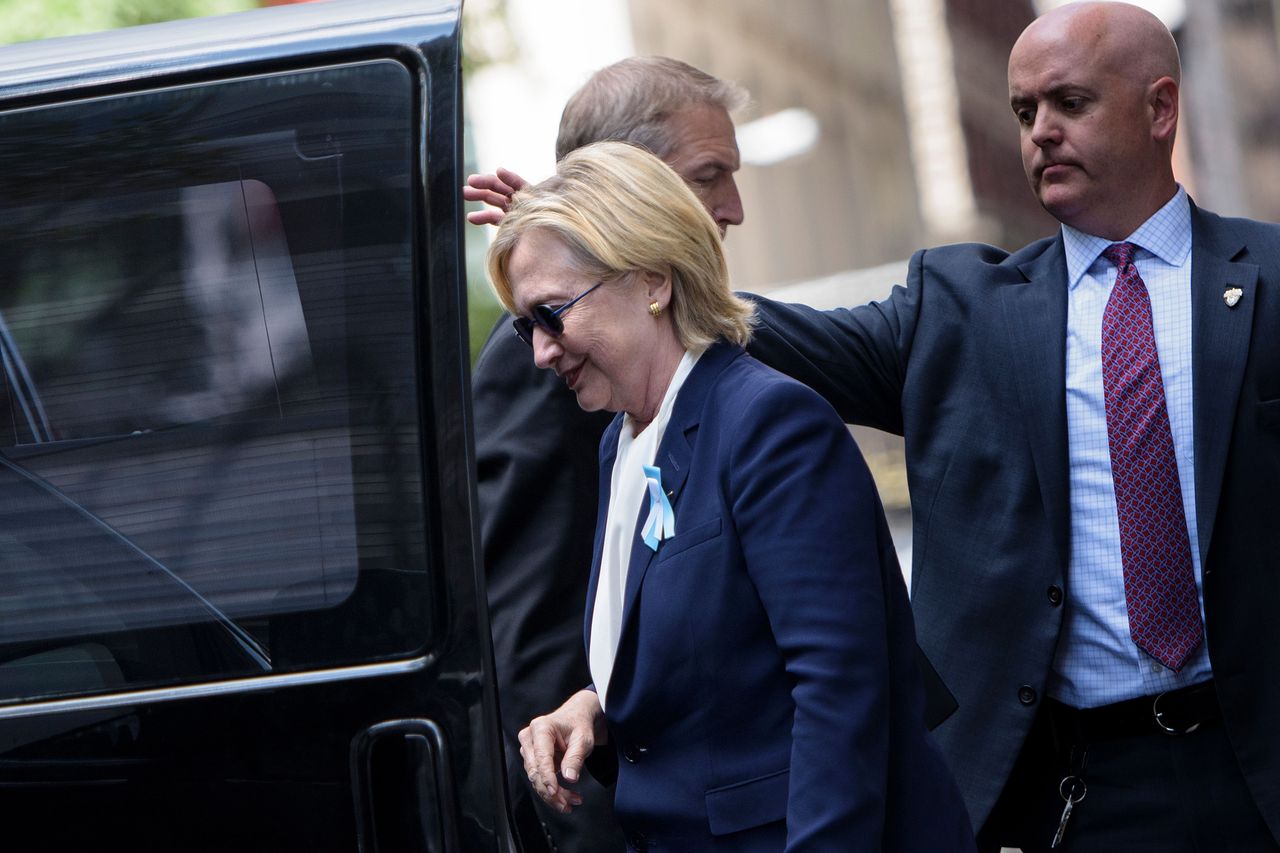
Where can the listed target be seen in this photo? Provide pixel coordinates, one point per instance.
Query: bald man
(1092, 432)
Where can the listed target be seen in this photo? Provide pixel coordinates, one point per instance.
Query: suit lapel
(1035, 315)
(675, 449)
(674, 456)
(609, 454)
(1220, 348)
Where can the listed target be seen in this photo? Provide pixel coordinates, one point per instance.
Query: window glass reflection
(209, 443)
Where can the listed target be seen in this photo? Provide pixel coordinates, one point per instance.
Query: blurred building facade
(982, 33)
(1231, 104)
(851, 200)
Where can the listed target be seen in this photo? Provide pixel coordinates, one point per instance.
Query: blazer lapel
(609, 445)
(674, 456)
(1220, 349)
(674, 448)
(1036, 320)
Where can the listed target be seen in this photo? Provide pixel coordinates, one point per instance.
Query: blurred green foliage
(486, 34)
(486, 39)
(482, 306)
(25, 20)
(483, 312)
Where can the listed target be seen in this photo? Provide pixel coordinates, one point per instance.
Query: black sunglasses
(546, 318)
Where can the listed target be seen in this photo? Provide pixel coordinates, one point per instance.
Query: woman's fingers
(555, 746)
(538, 750)
(581, 742)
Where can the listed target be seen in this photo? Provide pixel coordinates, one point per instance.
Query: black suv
(239, 595)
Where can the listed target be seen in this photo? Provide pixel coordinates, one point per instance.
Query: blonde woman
(748, 631)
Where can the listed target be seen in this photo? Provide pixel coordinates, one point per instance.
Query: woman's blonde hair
(621, 210)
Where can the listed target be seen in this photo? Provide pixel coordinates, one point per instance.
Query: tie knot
(1120, 254)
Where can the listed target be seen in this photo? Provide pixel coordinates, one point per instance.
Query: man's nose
(728, 208)
(1046, 129)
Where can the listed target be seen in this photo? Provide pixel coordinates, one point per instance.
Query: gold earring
(654, 308)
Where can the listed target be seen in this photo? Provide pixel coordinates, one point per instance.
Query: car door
(238, 587)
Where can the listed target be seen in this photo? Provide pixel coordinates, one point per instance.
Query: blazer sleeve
(808, 518)
(854, 357)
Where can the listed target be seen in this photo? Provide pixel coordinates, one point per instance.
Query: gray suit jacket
(968, 363)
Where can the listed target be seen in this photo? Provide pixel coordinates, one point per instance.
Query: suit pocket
(1269, 415)
(745, 805)
(684, 540)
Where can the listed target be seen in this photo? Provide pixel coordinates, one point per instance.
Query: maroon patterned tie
(1159, 581)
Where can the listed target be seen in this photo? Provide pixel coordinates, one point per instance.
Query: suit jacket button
(1027, 694)
(631, 753)
(638, 842)
(1055, 595)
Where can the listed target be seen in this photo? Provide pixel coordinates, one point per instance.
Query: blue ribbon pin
(661, 523)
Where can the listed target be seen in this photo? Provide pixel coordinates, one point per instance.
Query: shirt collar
(1166, 235)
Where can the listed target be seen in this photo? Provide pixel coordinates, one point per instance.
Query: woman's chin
(589, 402)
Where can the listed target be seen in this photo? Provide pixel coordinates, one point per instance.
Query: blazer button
(1027, 694)
(1055, 595)
(638, 842)
(632, 752)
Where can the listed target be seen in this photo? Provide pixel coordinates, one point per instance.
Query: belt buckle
(1166, 727)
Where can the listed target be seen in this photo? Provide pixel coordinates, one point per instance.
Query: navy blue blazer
(765, 695)
(968, 361)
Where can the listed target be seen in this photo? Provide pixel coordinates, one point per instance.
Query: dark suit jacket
(968, 363)
(537, 457)
(764, 694)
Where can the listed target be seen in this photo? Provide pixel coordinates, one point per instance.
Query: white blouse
(627, 490)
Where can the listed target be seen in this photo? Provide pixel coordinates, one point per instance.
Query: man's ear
(1163, 103)
(657, 286)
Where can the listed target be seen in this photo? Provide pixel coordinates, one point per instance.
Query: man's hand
(495, 191)
(555, 746)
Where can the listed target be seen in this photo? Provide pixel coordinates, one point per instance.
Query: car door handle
(403, 789)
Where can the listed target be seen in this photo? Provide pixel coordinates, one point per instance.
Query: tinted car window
(209, 427)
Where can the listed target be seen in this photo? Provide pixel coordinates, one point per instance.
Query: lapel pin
(1231, 296)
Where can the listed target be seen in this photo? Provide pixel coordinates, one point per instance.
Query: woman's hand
(495, 191)
(555, 746)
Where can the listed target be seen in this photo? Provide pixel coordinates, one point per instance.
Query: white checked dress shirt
(1097, 662)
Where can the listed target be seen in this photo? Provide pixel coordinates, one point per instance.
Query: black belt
(1176, 712)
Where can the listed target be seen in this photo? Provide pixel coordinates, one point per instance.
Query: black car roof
(31, 69)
